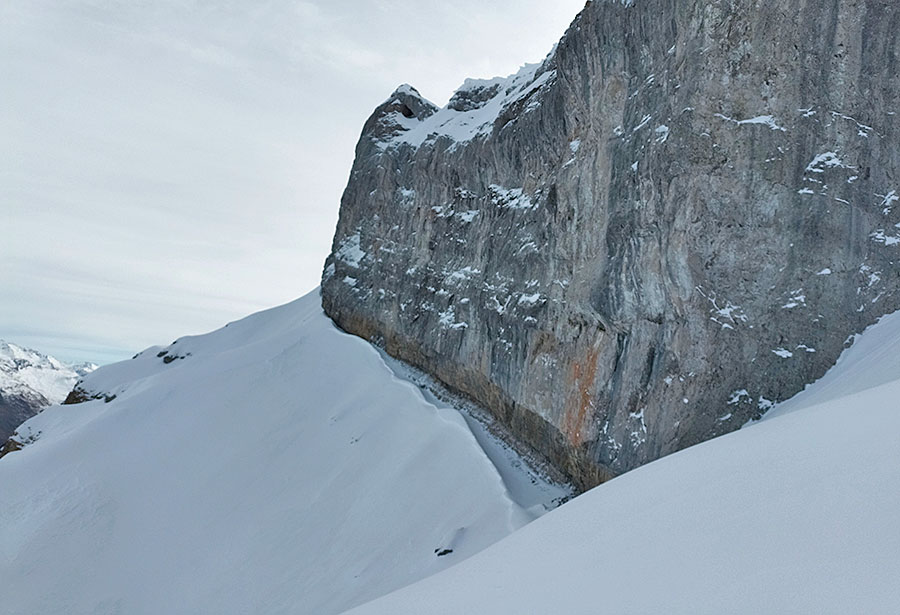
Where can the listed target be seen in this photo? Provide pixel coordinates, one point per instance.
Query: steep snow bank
(870, 362)
(794, 514)
(273, 466)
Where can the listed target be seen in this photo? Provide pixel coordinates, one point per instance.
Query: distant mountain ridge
(30, 381)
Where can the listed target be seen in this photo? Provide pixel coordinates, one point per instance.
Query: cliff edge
(674, 221)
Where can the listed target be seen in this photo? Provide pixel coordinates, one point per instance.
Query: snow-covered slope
(795, 514)
(871, 361)
(30, 381)
(274, 466)
(279, 465)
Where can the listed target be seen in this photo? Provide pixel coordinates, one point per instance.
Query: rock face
(674, 221)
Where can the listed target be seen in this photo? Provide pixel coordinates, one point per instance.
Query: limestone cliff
(674, 221)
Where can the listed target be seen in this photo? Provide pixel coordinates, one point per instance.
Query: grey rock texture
(672, 223)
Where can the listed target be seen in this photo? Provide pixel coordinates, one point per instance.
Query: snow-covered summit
(472, 111)
(404, 89)
(26, 369)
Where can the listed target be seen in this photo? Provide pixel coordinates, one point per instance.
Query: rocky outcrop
(78, 396)
(673, 222)
(20, 438)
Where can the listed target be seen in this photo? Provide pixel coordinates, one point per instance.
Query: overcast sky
(167, 166)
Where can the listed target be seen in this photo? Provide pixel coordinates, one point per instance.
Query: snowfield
(279, 465)
(798, 513)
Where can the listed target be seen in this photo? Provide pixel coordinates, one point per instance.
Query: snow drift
(273, 466)
(794, 514)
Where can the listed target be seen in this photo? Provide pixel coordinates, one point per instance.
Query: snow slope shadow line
(530, 480)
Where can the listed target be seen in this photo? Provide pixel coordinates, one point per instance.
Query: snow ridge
(277, 465)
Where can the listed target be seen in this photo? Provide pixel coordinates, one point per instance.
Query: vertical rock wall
(645, 241)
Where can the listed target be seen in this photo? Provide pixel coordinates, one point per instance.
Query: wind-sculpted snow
(669, 225)
(273, 466)
(794, 514)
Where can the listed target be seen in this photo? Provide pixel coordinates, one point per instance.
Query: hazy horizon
(168, 168)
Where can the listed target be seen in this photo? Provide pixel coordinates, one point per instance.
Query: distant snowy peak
(29, 382)
(406, 117)
(24, 371)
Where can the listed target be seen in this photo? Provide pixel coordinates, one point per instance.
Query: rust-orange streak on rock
(578, 405)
